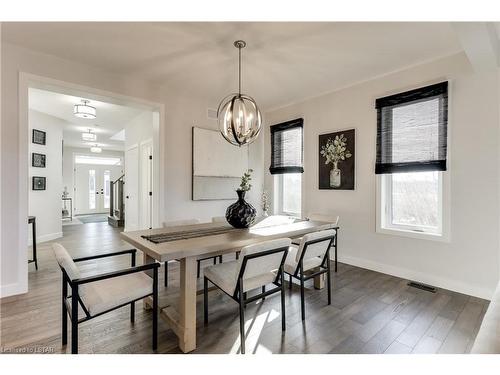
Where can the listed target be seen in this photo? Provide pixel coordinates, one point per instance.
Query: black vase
(241, 214)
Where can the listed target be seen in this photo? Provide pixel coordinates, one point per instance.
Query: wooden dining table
(191, 242)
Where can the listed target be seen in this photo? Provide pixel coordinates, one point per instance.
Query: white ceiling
(111, 118)
(283, 62)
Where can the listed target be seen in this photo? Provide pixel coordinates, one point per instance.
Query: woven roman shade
(412, 130)
(287, 147)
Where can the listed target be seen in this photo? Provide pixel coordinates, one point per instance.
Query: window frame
(445, 194)
(384, 211)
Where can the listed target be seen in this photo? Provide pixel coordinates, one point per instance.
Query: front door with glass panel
(92, 185)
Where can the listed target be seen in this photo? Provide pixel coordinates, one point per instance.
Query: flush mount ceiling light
(89, 137)
(238, 116)
(96, 149)
(84, 110)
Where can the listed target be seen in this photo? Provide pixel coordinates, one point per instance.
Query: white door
(146, 185)
(86, 189)
(132, 189)
(92, 187)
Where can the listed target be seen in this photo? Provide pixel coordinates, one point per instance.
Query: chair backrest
(176, 223)
(219, 219)
(65, 261)
(321, 239)
(262, 264)
(324, 217)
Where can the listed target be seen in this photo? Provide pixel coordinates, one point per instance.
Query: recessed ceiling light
(84, 110)
(91, 137)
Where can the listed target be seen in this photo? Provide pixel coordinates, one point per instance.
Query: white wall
(179, 156)
(470, 262)
(182, 110)
(46, 204)
(139, 129)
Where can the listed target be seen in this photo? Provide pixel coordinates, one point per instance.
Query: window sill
(414, 234)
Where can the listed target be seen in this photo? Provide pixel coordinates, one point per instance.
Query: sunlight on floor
(253, 329)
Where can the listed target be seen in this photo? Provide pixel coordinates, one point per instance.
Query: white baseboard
(45, 238)
(404, 273)
(12, 290)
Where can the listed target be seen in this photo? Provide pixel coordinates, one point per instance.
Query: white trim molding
(407, 274)
(27, 80)
(45, 238)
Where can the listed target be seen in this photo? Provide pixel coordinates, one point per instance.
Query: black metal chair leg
(220, 258)
(237, 255)
(155, 309)
(242, 318)
(302, 302)
(283, 322)
(328, 279)
(198, 268)
(245, 297)
(64, 312)
(290, 282)
(263, 291)
(205, 300)
(74, 319)
(165, 282)
(336, 234)
(132, 312)
(215, 260)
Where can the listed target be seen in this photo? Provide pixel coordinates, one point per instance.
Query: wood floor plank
(417, 328)
(397, 348)
(370, 312)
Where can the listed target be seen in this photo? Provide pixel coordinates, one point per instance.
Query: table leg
(319, 281)
(183, 320)
(147, 303)
(187, 306)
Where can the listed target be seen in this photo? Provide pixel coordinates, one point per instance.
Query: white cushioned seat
(291, 262)
(105, 294)
(65, 261)
(258, 272)
(314, 252)
(488, 337)
(225, 276)
(319, 217)
(219, 219)
(99, 296)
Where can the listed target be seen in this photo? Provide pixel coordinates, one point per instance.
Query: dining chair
(335, 225)
(104, 292)
(259, 265)
(219, 219)
(175, 223)
(312, 254)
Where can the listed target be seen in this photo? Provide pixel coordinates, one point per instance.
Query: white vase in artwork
(335, 176)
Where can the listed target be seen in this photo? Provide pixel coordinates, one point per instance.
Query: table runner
(187, 234)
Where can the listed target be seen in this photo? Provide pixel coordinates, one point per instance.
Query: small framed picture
(38, 183)
(39, 137)
(37, 160)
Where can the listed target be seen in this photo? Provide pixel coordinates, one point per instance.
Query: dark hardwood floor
(370, 313)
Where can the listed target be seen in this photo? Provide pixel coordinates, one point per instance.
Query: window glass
(107, 176)
(291, 193)
(415, 199)
(96, 160)
(92, 191)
